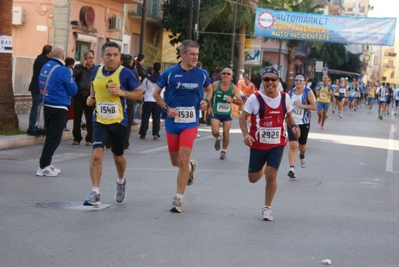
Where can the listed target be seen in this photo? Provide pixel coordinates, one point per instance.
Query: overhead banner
(324, 28)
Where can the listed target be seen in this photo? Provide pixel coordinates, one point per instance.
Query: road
(344, 206)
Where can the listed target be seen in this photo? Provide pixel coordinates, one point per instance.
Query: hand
(248, 139)
(203, 105)
(114, 90)
(171, 112)
(296, 131)
(90, 100)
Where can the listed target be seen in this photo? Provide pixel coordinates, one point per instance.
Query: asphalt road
(344, 206)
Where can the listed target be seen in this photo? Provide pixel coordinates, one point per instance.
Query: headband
(269, 70)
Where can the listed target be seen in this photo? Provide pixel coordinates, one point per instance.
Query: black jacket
(83, 79)
(37, 66)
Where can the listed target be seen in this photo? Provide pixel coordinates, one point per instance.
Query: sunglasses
(268, 79)
(299, 79)
(226, 73)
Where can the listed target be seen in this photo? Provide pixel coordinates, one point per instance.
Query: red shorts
(184, 139)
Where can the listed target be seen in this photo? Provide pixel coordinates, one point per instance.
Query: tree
(214, 46)
(304, 6)
(8, 117)
(221, 12)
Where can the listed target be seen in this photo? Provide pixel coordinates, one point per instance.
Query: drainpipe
(142, 34)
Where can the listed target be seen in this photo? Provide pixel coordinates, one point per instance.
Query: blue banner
(324, 28)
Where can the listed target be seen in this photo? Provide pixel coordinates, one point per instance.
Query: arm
(135, 94)
(170, 112)
(248, 139)
(237, 97)
(289, 119)
(312, 102)
(207, 97)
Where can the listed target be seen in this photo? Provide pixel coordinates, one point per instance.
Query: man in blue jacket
(60, 88)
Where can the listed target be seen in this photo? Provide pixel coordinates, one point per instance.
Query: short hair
(186, 44)
(85, 54)
(127, 60)
(46, 49)
(69, 62)
(140, 57)
(157, 66)
(110, 44)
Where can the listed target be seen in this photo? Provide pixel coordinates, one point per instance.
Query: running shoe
(223, 155)
(93, 199)
(46, 171)
(217, 143)
(291, 173)
(267, 214)
(303, 163)
(120, 192)
(191, 176)
(176, 205)
(333, 111)
(54, 169)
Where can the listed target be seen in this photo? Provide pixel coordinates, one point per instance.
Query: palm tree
(8, 118)
(222, 11)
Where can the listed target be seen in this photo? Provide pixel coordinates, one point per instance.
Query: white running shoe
(54, 169)
(47, 171)
(267, 214)
(303, 163)
(291, 173)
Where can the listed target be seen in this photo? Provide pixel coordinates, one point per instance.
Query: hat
(269, 70)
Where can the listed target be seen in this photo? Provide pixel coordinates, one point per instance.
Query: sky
(385, 9)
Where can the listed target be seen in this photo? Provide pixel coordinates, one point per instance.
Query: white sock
(218, 138)
(96, 189)
(179, 196)
(120, 181)
(265, 206)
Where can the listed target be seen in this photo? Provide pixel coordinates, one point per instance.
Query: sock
(292, 167)
(301, 156)
(96, 189)
(224, 150)
(120, 181)
(265, 206)
(179, 196)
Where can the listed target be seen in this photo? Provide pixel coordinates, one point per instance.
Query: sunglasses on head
(226, 73)
(268, 79)
(299, 79)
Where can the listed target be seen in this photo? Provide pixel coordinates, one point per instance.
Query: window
(81, 49)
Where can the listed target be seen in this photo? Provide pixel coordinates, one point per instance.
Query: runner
(303, 101)
(343, 91)
(323, 92)
(370, 91)
(224, 93)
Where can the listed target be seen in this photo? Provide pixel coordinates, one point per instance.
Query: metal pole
(196, 29)
(143, 19)
(279, 54)
(190, 19)
(234, 36)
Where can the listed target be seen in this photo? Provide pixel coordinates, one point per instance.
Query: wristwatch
(164, 108)
(295, 125)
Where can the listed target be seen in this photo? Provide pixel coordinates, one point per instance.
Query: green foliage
(353, 64)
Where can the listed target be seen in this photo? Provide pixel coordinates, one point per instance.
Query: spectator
(60, 87)
(34, 88)
(150, 107)
(82, 74)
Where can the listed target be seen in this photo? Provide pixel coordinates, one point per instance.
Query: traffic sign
(325, 71)
(319, 66)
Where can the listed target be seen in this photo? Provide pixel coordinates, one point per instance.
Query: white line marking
(389, 164)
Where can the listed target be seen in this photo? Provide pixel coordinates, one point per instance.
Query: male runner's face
(190, 58)
(111, 58)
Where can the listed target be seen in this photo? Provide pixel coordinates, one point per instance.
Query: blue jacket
(61, 86)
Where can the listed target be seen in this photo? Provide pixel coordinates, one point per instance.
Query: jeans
(80, 107)
(33, 112)
(153, 109)
(55, 122)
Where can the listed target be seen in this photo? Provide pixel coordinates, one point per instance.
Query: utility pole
(196, 28)
(190, 19)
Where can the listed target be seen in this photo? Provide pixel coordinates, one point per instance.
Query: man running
(187, 90)
(112, 84)
(224, 93)
(268, 109)
(324, 90)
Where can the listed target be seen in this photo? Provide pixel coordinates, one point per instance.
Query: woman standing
(303, 101)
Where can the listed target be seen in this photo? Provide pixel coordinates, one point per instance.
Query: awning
(343, 72)
(119, 42)
(85, 38)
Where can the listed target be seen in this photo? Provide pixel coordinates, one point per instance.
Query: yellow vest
(109, 108)
(324, 95)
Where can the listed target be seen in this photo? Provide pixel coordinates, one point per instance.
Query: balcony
(154, 12)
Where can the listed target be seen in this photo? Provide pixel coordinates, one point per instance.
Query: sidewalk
(20, 140)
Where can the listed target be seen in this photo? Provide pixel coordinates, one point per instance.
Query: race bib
(270, 135)
(323, 95)
(108, 110)
(223, 107)
(297, 112)
(185, 115)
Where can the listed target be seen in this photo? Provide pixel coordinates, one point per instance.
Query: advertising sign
(324, 28)
(5, 44)
(253, 48)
